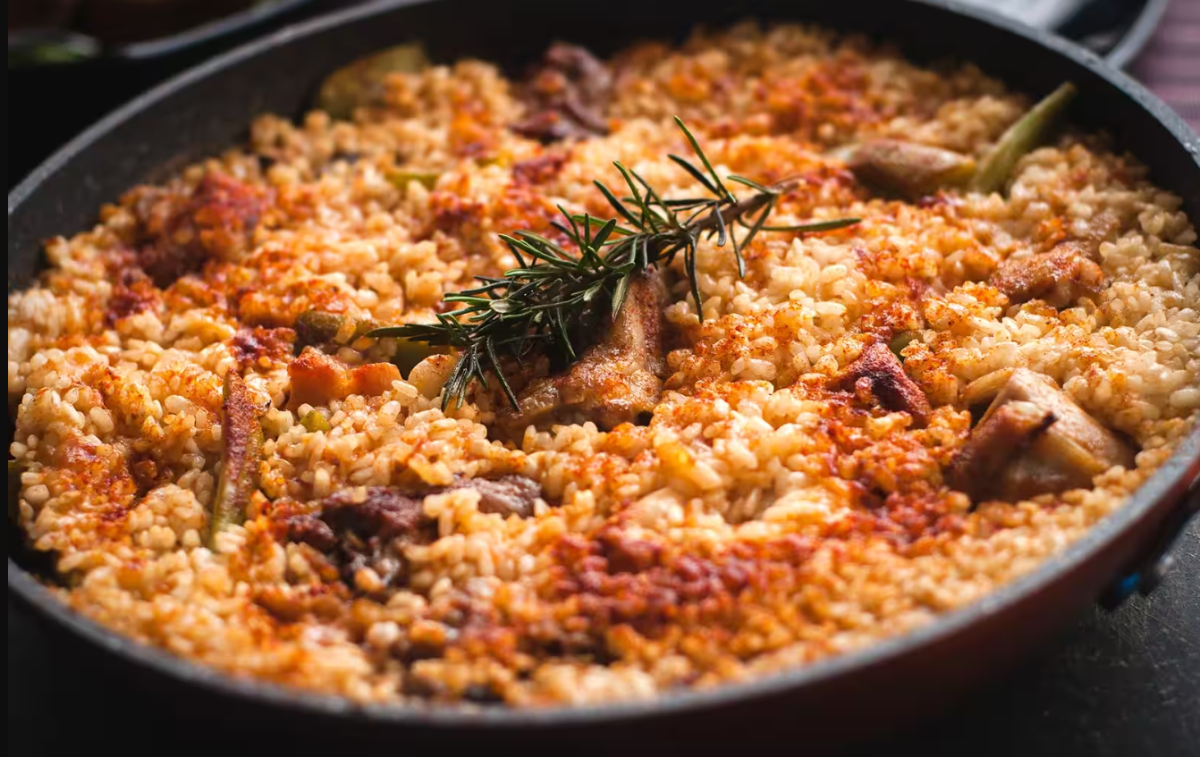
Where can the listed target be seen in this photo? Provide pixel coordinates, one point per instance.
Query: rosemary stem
(742, 208)
(555, 290)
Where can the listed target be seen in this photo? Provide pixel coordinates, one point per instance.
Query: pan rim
(1173, 475)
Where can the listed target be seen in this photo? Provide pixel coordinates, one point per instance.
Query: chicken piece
(567, 96)
(318, 379)
(879, 374)
(1034, 440)
(907, 168)
(1006, 433)
(1059, 277)
(1100, 228)
(618, 380)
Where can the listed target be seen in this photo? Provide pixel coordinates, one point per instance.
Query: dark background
(1117, 684)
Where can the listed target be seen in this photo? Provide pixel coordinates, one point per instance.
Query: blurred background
(1119, 683)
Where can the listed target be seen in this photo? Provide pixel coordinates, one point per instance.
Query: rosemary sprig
(552, 291)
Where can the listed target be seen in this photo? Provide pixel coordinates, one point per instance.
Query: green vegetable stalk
(900, 341)
(242, 436)
(360, 84)
(1021, 138)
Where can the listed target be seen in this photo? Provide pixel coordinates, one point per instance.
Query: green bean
(1021, 138)
(409, 353)
(401, 177)
(314, 327)
(360, 84)
(314, 422)
(317, 327)
(901, 340)
(242, 437)
(362, 328)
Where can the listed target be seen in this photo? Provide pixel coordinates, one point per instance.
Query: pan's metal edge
(1171, 478)
(188, 39)
(1138, 35)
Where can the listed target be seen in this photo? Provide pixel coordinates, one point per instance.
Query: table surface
(1116, 684)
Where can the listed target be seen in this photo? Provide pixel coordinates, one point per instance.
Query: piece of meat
(879, 374)
(178, 233)
(318, 379)
(1059, 277)
(384, 512)
(369, 529)
(626, 554)
(539, 170)
(508, 495)
(133, 293)
(260, 347)
(311, 530)
(618, 380)
(1098, 229)
(567, 95)
(1034, 440)
(366, 531)
(1005, 434)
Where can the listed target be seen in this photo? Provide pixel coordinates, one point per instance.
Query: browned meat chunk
(133, 293)
(311, 530)
(370, 529)
(626, 554)
(261, 347)
(318, 379)
(1034, 440)
(508, 495)
(1098, 229)
(366, 531)
(539, 170)
(566, 96)
(616, 381)
(1059, 277)
(178, 233)
(1006, 433)
(879, 374)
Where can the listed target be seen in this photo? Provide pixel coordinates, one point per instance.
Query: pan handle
(1144, 578)
(1137, 37)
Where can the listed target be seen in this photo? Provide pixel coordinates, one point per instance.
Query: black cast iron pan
(826, 703)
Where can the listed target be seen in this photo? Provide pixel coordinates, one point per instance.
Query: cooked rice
(785, 522)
